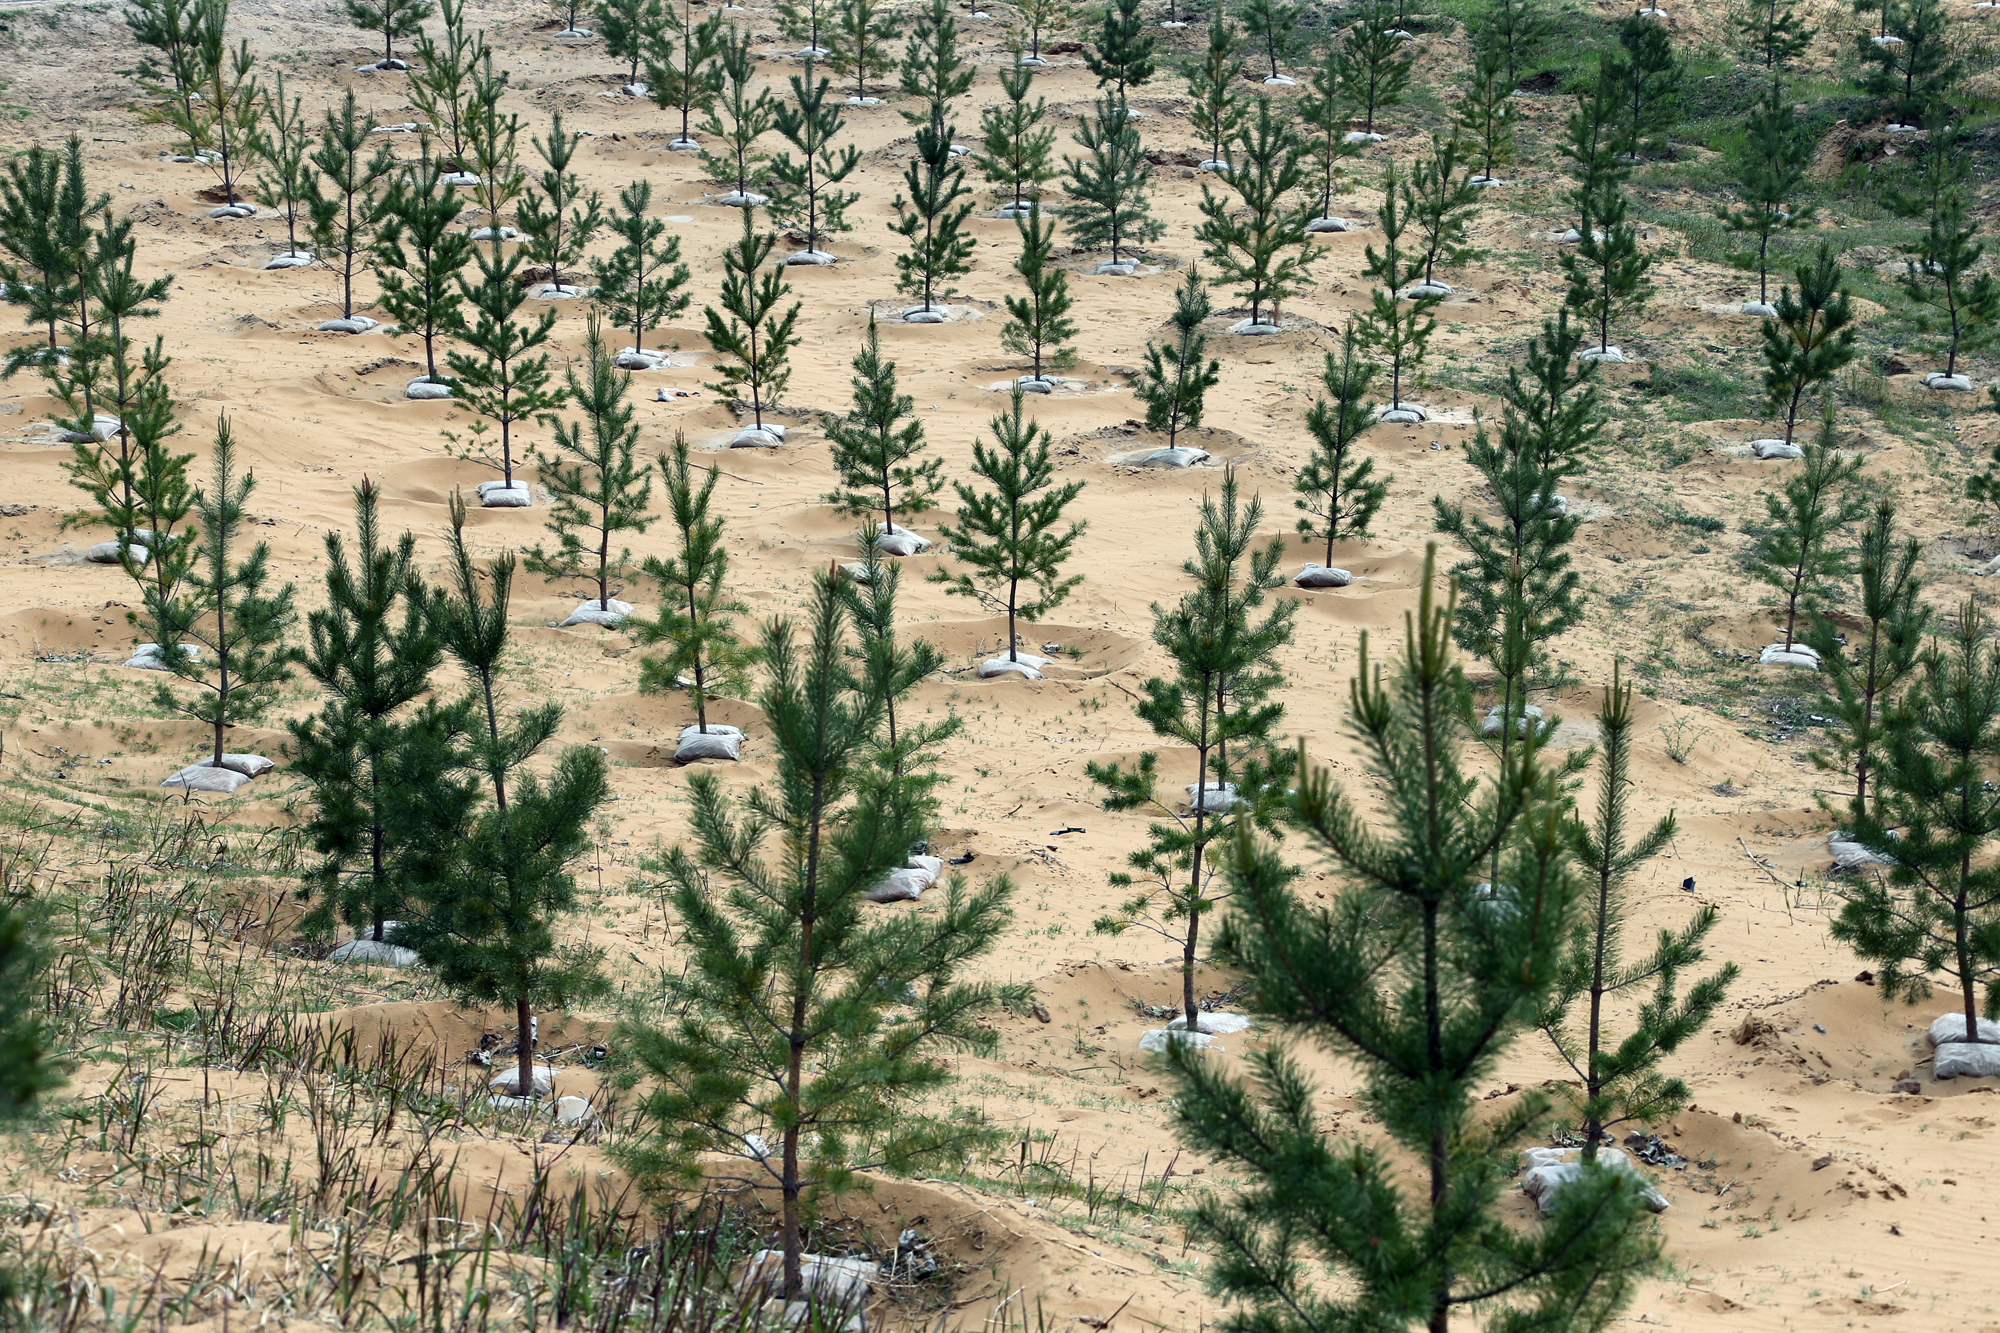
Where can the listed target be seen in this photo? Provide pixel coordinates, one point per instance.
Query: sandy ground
(1817, 1196)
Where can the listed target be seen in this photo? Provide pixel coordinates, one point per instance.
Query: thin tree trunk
(1013, 592)
(1593, 1126)
(1440, 1149)
(796, 1056)
(524, 1042)
(700, 690)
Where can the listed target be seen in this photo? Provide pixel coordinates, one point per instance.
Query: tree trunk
(1439, 1149)
(796, 1057)
(1593, 1083)
(700, 690)
(1013, 592)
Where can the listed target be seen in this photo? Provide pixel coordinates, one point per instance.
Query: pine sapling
(875, 446)
(1514, 32)
(597, 487)
(221, 606)
(805, 193)
(1174, 384)
(1488, 111)
(1109, 191)
(1937, 911)
(750, 116)
(1647, 76)
(1036, 18)
(697, 619)
(1218, 108)
(861, 34)
(800, 22)
(631, 28)
(1605, 268)
(1867, 671)
(1258, 241)
(503, 377)
(684, 68)
(642, 283)
(934, 71)
(166, 27)
(491, 138)
(441, 86)
(1942, 277)
(1621, 1077)
(344, 198)
(1771, 165)
(558, 218)
(46, 213)
(223, 116)
(1441, 205)
(1375, 63)
(1038, 324)
(1810, 338)
(1011, 534)
(1797, 554)
(418, 253)
(391, 18)
(749, 331)
(1398, 329)
(931, 218)
(1338, 492)
(1014, 144)
(1909, 67)
(1121, 58)
(283, 145)
(1773, 34)
(1273, 29)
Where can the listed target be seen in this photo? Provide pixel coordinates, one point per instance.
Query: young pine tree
(801, 23)
(861, 34)
(1797, 554)
(46, 212)
(684, 70)
(642, 283)
(1038, 323)
(750, 116)
(1605, 268)
(697, 614)
(392, 19)
(1954, 300)
(222, 607)
(1647, 79)
(1771, 165)
(344, 199)
(934, 70)
(1487, 111)
(597, 487)
(1174, 384)
(1274, 32)
(1218, 108)
(802, 1033)
(1014, 144)
(558, 218)
(805, 193)
(441, 86)
(931, 211)
(1773, 35)
(418, 252)
(1421, 980)
(1621, 1077)
(1514, 33)
(1398, 329)
(1036, 18)
(166, 27)
(1012, 534)
(283, 145)
(497, 885)
(875, 446)
(503, 377)
(749, 331)
(491, 143)
(1121, 58)
(1258, 241)
(631, 28)
(1109, 195)
(1911, 76)
(1218, 697)
(1338, 491)
(890, 666)
(1441, 205)
(1867, 672)
(1938, 909)
(371, 650)
(223, 117)
(1810, 338)
(1375, 63)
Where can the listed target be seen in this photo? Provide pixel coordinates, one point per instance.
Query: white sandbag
(857, 571)
(1322, 576)
(572, 1111)
(593, 612)
(1318, 225)
(756, 437)
(1500, 903)
(634, 89)
(234, 211)
(1610, 356)
(1798, 655)
(901, 541)
(1948, 383)
(1402, 414)
(1484, 181)
(486, 234)
(1223, 1023)
(1217, 798)
(1550, 1169)
(1031, 62)
(1036, 384)
(106, 553)
(904, 885)
(1958, 1058)
(1009, 212)
(1574, 237)
(1851, 855)
(1258, 328)
(1117, 268)
(718, 742)
(1156, 1040)
(1020, 664)
(683, 145)
(102, 427)
(864, 101)
(505, 495)
(374, 953)
(249, 765)
(541, 1081)
(1525, 715)
(841, 1281)
(289, 259)
(1764, 309)
(1951, 1028)
(563, 291)
(925, 314)
(1220, 166)
(578, 33)
(633, 358)
(1423, 290)
(147, 656)
(1177, 456)
(204, 777)
(352, 324)
(424, 389)
(1775, 449)
(815, 258)
(1558, 504)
